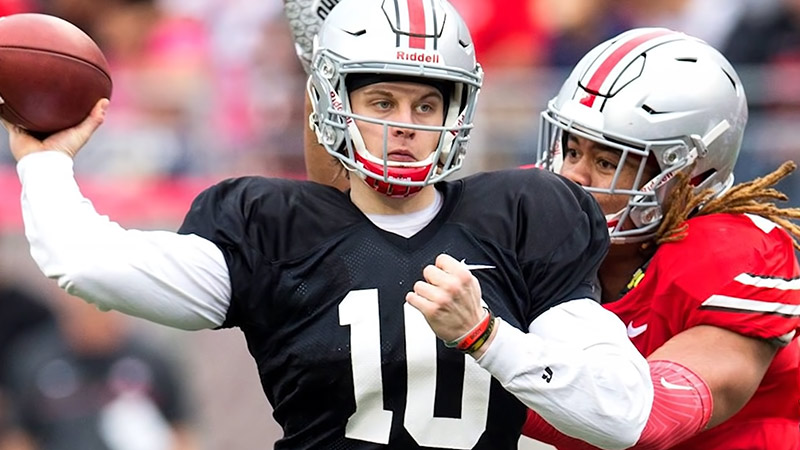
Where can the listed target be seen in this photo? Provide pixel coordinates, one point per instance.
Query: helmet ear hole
(700, 178)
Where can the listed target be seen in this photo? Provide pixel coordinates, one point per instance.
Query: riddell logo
(337, 104)
(417, 57)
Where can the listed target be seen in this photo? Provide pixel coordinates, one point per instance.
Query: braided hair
(756, 197)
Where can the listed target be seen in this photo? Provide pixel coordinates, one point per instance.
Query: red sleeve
(682, 406)
(735, 272)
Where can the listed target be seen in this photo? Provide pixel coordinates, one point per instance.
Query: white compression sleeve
(579, 371)
(176, 280)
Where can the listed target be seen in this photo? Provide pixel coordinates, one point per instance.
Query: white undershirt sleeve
(579, 370)
(176, 280)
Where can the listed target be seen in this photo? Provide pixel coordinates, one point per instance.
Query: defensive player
(703, 274)
(406, 313)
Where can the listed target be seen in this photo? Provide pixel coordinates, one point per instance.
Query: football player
(703, 274)
(408, 312)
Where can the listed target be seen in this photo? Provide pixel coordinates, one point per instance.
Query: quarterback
(408, 312)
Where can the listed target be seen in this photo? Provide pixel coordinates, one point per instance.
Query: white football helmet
(393, 39)
(656, 94)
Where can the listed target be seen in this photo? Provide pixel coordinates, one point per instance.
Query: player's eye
(606, 165)
(382, 104)
(571, 155)
(425, 108)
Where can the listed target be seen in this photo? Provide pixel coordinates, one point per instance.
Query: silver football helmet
(393, 39)
(654, 94)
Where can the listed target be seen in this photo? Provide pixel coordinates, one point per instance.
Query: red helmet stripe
(599, 77)
(416, 21)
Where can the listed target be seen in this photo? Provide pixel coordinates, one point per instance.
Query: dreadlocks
(752, 197)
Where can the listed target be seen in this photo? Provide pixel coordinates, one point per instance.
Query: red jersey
(737, 272)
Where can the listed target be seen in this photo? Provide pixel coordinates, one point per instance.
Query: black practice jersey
(319, 292)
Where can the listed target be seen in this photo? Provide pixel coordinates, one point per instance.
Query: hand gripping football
(305, 18)
(51, 73)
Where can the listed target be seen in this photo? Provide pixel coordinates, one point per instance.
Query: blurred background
(209, 89)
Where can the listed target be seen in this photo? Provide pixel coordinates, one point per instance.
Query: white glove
(305, 18)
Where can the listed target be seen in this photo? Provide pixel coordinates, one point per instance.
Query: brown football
(51, 73)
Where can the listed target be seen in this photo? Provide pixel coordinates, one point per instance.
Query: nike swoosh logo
(635, 331)
(476, 266)
(673, 386)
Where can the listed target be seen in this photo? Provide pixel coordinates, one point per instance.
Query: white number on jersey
(371, 422)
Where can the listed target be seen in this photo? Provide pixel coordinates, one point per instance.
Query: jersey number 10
(371, 422)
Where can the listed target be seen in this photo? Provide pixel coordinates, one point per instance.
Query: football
(51, 73)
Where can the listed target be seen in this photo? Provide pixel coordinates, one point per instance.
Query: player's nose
(403, 115)
(578, 172)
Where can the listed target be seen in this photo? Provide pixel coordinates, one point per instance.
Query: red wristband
(477, 336)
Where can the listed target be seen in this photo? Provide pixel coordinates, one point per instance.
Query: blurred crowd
(206, 89)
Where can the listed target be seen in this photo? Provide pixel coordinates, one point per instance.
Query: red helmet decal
(416, 20)
(593, 87)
